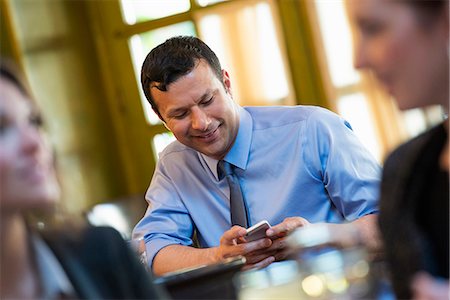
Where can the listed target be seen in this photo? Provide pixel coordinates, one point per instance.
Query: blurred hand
(426, 287)
(343, 235)
(286, 227)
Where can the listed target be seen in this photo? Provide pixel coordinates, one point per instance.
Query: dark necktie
(237, 204)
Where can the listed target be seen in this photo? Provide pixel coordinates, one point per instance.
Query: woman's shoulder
(411, 150)
(101, 264)
(83, 240)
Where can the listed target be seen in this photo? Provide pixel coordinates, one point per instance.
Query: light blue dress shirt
(293, 161)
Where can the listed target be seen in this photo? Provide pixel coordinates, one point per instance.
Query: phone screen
(257, 231)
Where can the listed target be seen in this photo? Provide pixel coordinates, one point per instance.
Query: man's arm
(368, 233)
(361, 231)
(176, 257)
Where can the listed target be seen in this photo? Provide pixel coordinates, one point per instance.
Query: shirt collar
(53, 278)
(238, 154)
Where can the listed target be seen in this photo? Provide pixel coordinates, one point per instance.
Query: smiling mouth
(209, 135)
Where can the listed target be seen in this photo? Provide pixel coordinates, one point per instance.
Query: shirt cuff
(153, 246)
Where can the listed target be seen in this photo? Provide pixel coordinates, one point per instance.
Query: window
(349, 99)
(356, 96)
(243, 34)
(140, 45)
(135, 11)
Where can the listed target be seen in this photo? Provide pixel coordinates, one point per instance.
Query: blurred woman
(90, 263)
(405, 43)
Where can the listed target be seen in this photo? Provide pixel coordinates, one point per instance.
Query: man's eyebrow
(207, 94)
(175, 111)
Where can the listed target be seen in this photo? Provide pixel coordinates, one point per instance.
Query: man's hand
(232, 243)
(286, 227)
(277, 250)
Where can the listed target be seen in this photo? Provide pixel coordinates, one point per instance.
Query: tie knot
(224, 169)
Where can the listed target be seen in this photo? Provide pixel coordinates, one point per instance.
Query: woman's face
(27, 175)
(408, 56)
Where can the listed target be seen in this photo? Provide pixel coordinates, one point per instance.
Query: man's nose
(199, 119)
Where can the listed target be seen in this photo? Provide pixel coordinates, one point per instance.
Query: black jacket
(414, 210)
(100, 265)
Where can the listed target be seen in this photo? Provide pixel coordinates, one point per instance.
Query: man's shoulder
(273, 116)
(176, 149)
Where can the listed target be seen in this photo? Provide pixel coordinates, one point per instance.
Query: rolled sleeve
(350, 174)
(166, 220)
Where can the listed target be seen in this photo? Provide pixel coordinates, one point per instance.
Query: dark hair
(172, 59)
(10, 72)
(427, 10)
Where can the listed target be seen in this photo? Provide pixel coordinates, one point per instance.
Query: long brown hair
(427, 10)
(39, 220)
(10, 72)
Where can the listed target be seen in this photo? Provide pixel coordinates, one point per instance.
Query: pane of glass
(337, 42)
(273, 80)
(204, 3)
(135, 11)
(245, 39)
(107, 214)
(354, 109)
(415, 121)
(141, 44)
(161, 141)
(435, 115)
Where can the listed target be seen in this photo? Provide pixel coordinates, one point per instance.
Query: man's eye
(209, 101)
(180, 115)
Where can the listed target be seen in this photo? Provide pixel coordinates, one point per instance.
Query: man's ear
(160, 117)
(227, 82)
(165, 125)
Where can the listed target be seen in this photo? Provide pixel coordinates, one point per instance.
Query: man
(295, 165)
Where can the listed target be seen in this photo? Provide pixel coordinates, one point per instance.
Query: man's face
(200, 111)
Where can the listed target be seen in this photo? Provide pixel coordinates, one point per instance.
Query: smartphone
(257, 231)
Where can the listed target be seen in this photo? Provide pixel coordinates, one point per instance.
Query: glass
(109, 214)
(336, 274)
(161, 141)
(245, 39)
(330, 274)
(355, 110)
(326, 272)
(273, 80)
(415, 121)
(141, 45)
(418, 120)
(135, 11)
(278, 281)
(435, 114)
(204, 3)
(337, 42)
